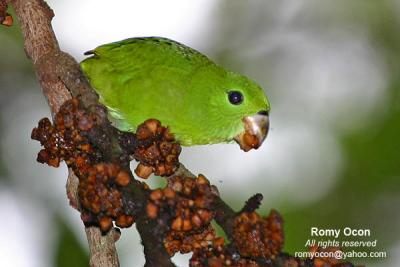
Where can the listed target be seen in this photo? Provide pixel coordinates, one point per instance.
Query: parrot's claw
(255, 131)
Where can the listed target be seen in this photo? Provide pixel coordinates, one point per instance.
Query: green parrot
(201, 102)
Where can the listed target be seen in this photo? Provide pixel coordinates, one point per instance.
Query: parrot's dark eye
(235, 97)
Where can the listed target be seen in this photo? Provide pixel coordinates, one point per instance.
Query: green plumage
(142, 78)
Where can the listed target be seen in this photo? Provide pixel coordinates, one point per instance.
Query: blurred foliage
(9, 64)
(370, 178)
(68, 250)
(368, 182)
(3, 168)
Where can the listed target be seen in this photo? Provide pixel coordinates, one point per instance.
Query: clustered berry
(247, 141)
(188, 198)
(68, 139)
(255, 236)
(193, 206)
(100, 196)
(158, 152)
(98, 190)
(64, 139)
(185, 242)
(188, 201)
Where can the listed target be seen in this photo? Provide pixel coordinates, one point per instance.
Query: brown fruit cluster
(158, 152)
(194, 198)
(187, 202)
(63, 140)
(258, 237)
(185, 242)
(99, 182)
(189, 199)
(100, 196)
(218, 256)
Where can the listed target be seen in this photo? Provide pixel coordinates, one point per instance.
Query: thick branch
(59, 76)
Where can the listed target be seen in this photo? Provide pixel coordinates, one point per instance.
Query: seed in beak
(255, 131)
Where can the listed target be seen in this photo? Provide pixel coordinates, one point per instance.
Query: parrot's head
(237, 107)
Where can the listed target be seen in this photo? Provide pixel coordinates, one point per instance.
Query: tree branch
(59, 75)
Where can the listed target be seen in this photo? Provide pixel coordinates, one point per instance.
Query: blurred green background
(332, 159)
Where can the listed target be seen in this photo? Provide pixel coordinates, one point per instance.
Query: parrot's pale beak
(255, 131)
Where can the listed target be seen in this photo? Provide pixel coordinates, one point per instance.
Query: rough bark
(59, 75)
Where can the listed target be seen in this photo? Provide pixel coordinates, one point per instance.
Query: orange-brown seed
(54, 162)
(152, 210)
(123, 178)
(152, 125)
(187, 225)
(143, 171)
(187, 190)
(105, 224)
(219, 241)
(251, 140)
(177, 224)
(200, 202)
(196, 220)
(177, 186)
(214, 262)
(8, 20)
(169, 193)
(143, 132)
(168, 135)
(160, 169)
(204, 215)
(156, 194)
(201, 179)
(124, 221)
(85, 147)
